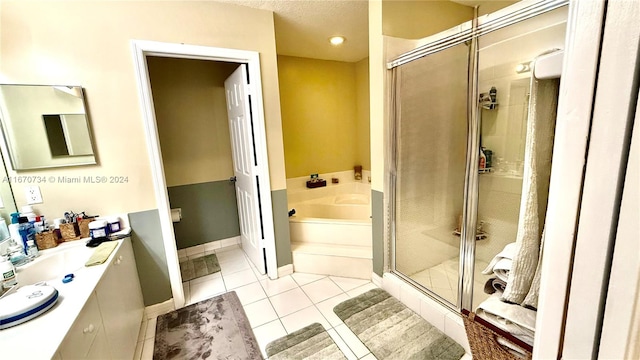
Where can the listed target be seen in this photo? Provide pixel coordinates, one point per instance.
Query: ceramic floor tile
(282, 284)
(194, 250)
(321, 290)
(303, 278)
(302, 318)
(150, 333)
(267, 333)
(200, 279)
(342, 345)
(239, 278)
(229, 252)
(234, 266)
(260, 312)
(369, 356)
(326, 308)
(361, 290)
(347, 284)
(257, 273)
(250, 293)
(205, 290)
(352, 341)
(147, 350)
(290, 301)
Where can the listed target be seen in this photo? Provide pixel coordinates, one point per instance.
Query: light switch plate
(33, 195)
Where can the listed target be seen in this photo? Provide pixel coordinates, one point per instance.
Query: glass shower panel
(431, 141)
(505, 65)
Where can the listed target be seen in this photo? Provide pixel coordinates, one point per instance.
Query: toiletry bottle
(32, 249)
(27, 231)
(493, 94)
(483, 161)
(7, 273)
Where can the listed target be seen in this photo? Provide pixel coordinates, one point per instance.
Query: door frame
(143, 48)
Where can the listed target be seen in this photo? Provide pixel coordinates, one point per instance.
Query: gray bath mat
(216, 328)
(311, 342)
(392, 331)
(198, 267)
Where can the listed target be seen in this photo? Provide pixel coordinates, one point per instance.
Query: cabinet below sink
(97, 316)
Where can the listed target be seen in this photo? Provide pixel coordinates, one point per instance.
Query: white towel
(506, 253)
(535, 189)
(514, 319)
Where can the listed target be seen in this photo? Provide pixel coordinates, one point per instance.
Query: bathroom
(36, 50)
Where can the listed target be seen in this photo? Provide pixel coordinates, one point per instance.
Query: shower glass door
(505, 68)
(430, 156)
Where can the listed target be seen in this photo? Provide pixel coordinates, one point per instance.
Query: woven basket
(46, 240)
(83, 225)
(69, 231)
(484, 344)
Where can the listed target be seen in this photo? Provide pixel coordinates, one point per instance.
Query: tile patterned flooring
(274, 307)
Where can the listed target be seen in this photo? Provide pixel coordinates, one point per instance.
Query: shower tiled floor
(443, 280)
(274, 307)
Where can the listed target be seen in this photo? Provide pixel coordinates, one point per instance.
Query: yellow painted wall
(415, 19)
(191, 113)
(88, 43)
(363, 145)
(320, 121)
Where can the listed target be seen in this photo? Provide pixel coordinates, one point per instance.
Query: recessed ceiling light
(336, 40)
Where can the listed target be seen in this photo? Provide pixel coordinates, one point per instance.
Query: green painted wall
(377, 223)
(281, 227)
(209, 212)
(151, 260)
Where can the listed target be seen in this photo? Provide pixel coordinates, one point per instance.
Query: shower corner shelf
(479, 235)
(484, 171)
(490, 105)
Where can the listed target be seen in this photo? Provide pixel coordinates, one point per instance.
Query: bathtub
(335, 214)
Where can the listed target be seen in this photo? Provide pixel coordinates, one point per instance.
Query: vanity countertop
(40, 338)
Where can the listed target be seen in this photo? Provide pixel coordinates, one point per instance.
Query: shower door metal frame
(468, 31)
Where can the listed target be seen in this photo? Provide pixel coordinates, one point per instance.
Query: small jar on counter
(99, 228)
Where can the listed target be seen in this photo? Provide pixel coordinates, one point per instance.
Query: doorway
(253, 135)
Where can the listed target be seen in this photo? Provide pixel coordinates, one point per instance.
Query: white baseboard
(285, 270)
(155, 310)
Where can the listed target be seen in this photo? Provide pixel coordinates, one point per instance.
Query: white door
(245, 166)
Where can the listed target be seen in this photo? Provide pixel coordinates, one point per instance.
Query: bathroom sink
(55, 263)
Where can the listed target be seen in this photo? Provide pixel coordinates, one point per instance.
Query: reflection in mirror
(45, 126)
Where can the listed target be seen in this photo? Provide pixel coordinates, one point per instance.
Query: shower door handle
(232, 179)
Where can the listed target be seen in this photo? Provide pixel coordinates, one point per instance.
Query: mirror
(45, 126)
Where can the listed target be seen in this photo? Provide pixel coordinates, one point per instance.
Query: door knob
(232, 179)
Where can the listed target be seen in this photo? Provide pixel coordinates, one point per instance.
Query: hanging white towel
(535, 189)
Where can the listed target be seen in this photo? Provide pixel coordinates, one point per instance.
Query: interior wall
(89, 43)
(191, 115)
(417, 19)
(320, 120)
(90, 50)
(363, 142)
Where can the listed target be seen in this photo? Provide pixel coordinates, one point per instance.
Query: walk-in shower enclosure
(453, 206)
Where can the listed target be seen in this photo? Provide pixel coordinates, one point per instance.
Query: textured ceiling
(303, 27)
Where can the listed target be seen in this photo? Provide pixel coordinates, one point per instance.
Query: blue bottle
(27, 232)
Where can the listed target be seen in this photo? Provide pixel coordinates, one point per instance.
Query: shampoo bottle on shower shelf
(483, 161)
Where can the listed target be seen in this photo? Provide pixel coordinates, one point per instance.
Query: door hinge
(247, 89)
